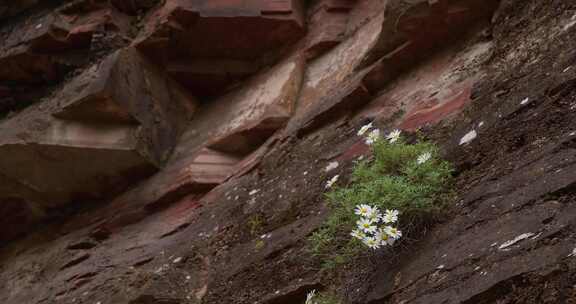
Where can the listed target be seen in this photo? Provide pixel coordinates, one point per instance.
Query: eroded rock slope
(176, 151)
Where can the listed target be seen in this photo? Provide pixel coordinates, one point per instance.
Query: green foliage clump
(255, 223)
(410, 178)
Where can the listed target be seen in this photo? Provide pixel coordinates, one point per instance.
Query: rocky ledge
(177, 151)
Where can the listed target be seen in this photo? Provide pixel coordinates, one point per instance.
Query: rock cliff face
(175, 151)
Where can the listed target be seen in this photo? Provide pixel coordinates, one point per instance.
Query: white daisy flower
(390, 216)
(366, 225)
(310, 296)
(371, 242)
(357, 233)
(364, 129)
(393, 232)
(424, 158)
(374, 215)
(384, 239)
(363, 210)
(372, 136)
(394, 136)
(332, 181)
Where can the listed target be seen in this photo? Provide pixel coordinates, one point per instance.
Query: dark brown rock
(237, 202)
(194, 42)
(135, 6)
(328, 22)
(113, 124)
(414, 29)
(29, 52)
(10, 8)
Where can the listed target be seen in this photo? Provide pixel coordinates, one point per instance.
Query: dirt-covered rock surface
(190, 142)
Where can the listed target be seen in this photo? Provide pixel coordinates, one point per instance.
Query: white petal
(470, 136)
(331, 166)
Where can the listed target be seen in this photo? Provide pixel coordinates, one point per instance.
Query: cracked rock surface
(178, 151)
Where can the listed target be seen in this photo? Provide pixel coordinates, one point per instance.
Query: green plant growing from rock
(403, 184)
(259, 244)
(255, 223)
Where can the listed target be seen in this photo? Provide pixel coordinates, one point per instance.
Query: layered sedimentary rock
(352, 74)
(223, 135)
(242, 120)
(205, 201)
(209, 45)
(116, 122)
(328, 25)
(38, 52)
(414, 29)
(29, 52)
